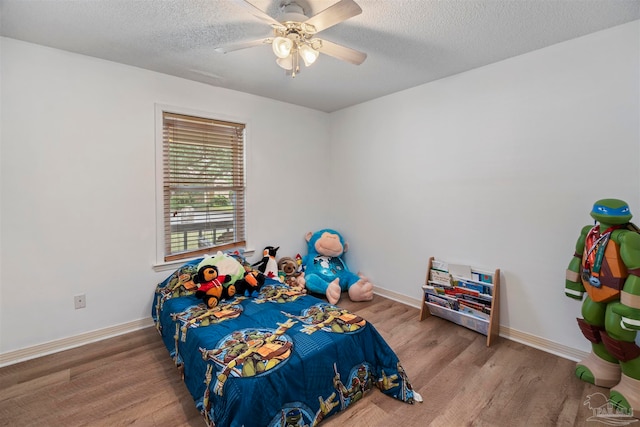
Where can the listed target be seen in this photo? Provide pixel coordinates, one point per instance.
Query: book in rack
(464, 295)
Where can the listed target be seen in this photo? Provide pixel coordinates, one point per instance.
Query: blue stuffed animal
(326, 272)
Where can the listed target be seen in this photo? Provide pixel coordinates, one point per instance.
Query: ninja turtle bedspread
(278, 359)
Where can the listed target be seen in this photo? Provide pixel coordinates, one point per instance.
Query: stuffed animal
(291, 272)
(268, 265)
(327, 273)
(210, 286)
(251, 276)
(244, 282)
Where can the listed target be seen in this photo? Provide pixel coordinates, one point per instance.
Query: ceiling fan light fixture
(293, 35)
(282, 47)
(286, 63)
(309, 55)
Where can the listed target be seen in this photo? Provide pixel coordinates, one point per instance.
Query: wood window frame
(192, 147)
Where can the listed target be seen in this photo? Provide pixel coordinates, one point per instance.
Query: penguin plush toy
(268, 264)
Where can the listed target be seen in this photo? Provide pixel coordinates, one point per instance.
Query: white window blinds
(203, 185)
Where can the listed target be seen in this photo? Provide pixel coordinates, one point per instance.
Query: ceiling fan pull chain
(296, 65)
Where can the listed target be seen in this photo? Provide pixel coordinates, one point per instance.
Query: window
(203, 185)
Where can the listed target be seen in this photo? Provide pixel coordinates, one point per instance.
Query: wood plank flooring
(130, 380)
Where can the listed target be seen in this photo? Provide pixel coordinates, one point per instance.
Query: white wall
(78, 186)
(497, 168)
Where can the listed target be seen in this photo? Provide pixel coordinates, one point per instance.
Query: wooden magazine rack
(464, 295)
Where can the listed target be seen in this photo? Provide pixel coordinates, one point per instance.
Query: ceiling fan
(294, 35)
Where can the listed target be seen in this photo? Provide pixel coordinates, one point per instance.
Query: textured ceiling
(408, 42)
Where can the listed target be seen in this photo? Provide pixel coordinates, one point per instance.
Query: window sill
(174, 265)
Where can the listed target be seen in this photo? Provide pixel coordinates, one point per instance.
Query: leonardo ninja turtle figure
(606, 265)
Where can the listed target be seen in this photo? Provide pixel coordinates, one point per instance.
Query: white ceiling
(408, 42)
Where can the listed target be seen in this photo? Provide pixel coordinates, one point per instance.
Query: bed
(281, 358)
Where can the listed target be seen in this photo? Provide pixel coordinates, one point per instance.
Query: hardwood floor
(131, 380)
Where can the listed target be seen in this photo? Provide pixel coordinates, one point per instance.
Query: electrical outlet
(80, 301)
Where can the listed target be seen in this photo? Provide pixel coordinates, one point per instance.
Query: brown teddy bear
(293, 274)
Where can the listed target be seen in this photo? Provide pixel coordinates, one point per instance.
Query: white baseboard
(410, 301)
(505, 332)
(40, 350)
(543, 344)
(12, 357)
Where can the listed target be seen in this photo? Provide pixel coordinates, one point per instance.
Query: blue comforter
(282, 358)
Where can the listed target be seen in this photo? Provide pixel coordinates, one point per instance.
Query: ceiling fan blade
(242, 45)
(258, 13)
(344, 53)
(334, 14)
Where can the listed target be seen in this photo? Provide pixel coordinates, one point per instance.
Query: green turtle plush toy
(238, 280)
(606, 267)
